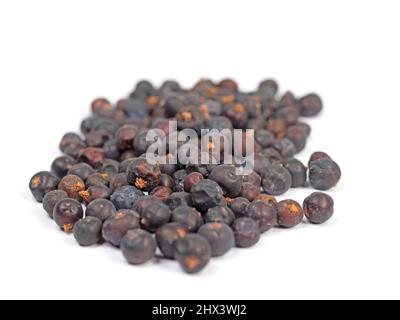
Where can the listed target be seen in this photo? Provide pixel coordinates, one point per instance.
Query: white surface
(56, 57)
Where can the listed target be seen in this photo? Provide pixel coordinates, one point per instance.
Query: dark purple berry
(138, 246)
(220, 237)
(318, 207)
(116, 226)
(246, 231)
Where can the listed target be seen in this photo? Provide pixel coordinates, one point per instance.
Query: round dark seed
(138, 246)
(276, 180)
(246, 231)
(166, 237)
(290, 213)
(220, 214)
(207, 194)
(72, 185)
(62, 165)
(264, 214)
(87, 231)
(116, 226)
(125, 197)
(42, 183)
(189, 217)
(219, 236)
(191, 180)
(101, 209)
(310, 105)
(298, 172)
(51, 199)
(226, 177)
(324, 174)
(318, 207)
(239, 206)
(193, 252)
(66, 213)
(143, 175)
(155, 216)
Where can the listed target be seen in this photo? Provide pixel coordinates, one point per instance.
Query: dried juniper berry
(62, 165)
(125, 136)
(87, 231)
(92, 156)
(191, 180)
(324, 174)
(262, 161)
(199, 165)
(66, 213)
(310, 105)
(72, 144)
(273, 156)
(253, 178)
(161, 193)
(285, 147)
(82, 170)
(207, 194)
(138, 246)
(219, 123)
(239, 206)
(228, 180)
(101, 209)
(116, 226)
(42, 183)
(298, 171)
(96, 139)
(297, 136)
(166, 237)
(318, 207)
(125, 197)
(50, 200)
(237, 114)
(246, 231)
(101, 107)
(179, 178)
(268, 88)
(173, 105)
(268, 199)
(189, 217)
(220, 214)
(264, 137)
(219, 236)
(143, 175)
(317, 156)
(276, 180)
(250, 191)
(190, 118)
(143, 202)
(264, 214)
(193, 252)
(108, 166)
(154, 216)
(179, 199)
(118, 180)
(277, 127)
(111, 149)
(228, 84)
(290, 213)
(166, 181)
(72, 185)
(95, 192)
(97, 179)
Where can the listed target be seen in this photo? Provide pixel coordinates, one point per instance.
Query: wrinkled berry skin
(92, 156)
(226, 177)
(138, 246)
(125, 197)
(276, 180)
(271, 200)
(246, 231)
(116, 226)
(82, 170)
(189, 217)
(193, 252)
(318, 207)
(207, 194)
(166, 237)
(317, 156)
(290, 213)
(50, 200)
(87, 231)
(250, 191)
(42, 183)
(155, 216)
(66, 213)
(298, 172)
(72, 185)
(239, 206)
(220, 237)
(143, 175)
(264, 214)
(101, 209)
(324, 174)
(161, 193)
(220, 214)
(143, 202)
(179, 199)
(310, 105)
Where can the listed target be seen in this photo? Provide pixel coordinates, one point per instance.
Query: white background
(56, 56)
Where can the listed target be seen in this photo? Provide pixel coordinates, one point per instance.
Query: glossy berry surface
(42, 183)
(220, 237)
(193, 252)
(66, 213)
(87, 231)
(318, 207)
(138, 246)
